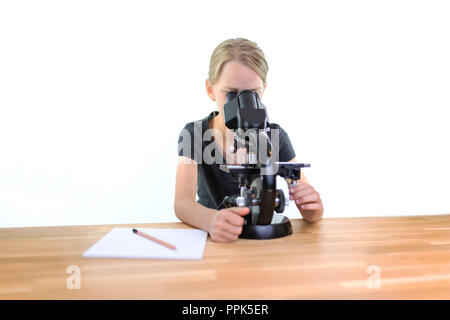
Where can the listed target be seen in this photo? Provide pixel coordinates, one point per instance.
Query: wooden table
(326, 260)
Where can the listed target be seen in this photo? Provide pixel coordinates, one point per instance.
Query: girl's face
(235, 77)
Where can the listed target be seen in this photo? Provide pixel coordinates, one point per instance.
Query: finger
(227, 236)
(308, 198)
(232, 229)
(299, 194)
(310, 206)
(216, 238)
(219, 239)
(234, 219)
(242, 211)
(298, 187)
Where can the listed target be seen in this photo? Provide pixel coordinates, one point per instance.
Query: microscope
(247, 117)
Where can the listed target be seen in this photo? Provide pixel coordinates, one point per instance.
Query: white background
(93, 95)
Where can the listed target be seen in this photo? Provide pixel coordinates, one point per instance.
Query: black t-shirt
(214, 184)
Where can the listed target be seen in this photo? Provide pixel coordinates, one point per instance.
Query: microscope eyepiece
(244, 110)
(230, 96)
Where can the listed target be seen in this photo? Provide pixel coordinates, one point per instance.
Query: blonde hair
(245, 51)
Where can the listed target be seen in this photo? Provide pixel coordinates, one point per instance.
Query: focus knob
(281, 201)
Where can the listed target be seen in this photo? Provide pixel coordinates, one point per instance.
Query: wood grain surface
(326, 260)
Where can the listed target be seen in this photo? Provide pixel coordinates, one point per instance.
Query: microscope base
(268, 231)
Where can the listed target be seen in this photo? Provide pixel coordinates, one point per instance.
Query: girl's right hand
(226, 226)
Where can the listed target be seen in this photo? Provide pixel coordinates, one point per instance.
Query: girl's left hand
(306, 197)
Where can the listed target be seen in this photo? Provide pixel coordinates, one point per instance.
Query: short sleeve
(285, 149)
(190, 141)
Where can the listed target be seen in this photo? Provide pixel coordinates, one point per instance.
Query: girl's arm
(222, 225)
(307, 199)
(186, 208)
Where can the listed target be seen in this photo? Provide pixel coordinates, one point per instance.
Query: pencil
(149, 237)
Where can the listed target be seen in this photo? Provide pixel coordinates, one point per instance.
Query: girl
(235, 65)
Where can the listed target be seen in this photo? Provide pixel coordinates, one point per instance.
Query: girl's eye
(256, 91)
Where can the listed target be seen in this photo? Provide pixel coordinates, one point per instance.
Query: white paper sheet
(124, 243)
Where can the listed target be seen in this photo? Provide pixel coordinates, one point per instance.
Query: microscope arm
(269, 185)
(268, 194)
